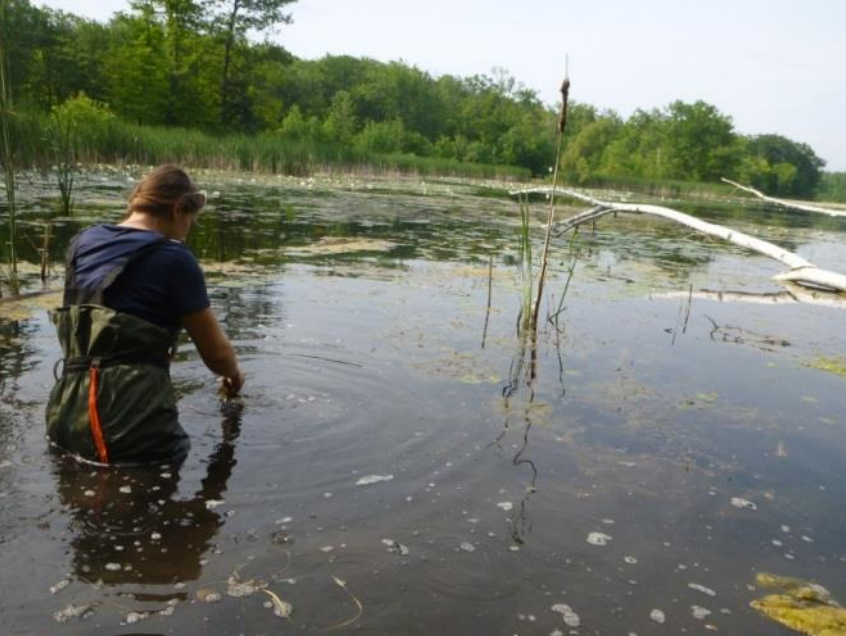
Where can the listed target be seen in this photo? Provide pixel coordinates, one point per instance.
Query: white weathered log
(796, 295)
(785, 203)
(802, 270)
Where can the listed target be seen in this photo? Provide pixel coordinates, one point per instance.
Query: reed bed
(122, 143)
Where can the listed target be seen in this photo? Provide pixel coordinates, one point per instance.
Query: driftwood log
(792, 205)
(794, 295)
(800, 270)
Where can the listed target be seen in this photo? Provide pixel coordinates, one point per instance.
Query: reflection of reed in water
(522, 373)
(127, 526)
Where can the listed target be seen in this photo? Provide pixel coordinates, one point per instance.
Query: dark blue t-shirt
(160, 285)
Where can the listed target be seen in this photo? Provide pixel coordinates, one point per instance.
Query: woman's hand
(231, 385)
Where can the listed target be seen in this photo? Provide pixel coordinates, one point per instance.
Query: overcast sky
(774, 66)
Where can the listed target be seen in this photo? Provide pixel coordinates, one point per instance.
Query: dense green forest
(180, 80)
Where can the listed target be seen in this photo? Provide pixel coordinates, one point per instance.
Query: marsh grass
(118, 142)
(63, 139)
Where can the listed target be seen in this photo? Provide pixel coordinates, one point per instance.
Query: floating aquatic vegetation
(281, 608)
(598, 538)
(801, 605)
(238, 588)
(26, 306)
(373, 479)
(341, 245)
(571, 619)
(740, 502)
(835, 365)
(465, 367)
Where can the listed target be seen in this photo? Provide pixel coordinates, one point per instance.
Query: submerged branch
(786, 204)
(801, 271)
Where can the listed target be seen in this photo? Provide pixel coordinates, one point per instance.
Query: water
(359, 315)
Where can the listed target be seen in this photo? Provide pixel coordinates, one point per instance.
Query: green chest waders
(113, 402)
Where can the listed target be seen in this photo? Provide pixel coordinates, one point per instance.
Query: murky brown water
(359, 314)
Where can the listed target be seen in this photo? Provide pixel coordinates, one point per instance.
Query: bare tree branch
(787, 204)
(801, 271)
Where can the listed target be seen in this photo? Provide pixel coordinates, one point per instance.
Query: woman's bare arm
(214, 347)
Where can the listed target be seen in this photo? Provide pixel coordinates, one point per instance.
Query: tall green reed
(527, 279)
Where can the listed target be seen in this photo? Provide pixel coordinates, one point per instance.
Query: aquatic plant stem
(562, 124)
(488, 308)
(570, 271)
(343, 585)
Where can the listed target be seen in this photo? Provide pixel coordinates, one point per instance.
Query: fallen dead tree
(801, 271)
(792, 205)
(793, 295)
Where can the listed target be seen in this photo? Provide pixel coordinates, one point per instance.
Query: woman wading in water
(129, 289)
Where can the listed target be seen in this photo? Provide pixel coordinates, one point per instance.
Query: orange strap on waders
(94, 414)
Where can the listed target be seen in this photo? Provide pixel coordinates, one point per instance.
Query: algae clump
(830, 364)
(805, 607)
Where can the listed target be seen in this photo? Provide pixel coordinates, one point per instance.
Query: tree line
(190, 64)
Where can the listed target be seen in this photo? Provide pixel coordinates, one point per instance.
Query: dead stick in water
(488, 309)
(562, 124)
(45, 253)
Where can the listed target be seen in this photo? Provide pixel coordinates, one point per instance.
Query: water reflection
(521, 376)
(129, 527)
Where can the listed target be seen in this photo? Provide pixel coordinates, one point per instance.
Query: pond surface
(395, 467)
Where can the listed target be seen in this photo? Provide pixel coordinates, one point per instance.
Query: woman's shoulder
(177, 251)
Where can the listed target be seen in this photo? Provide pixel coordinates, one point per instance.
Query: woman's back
(163, 283)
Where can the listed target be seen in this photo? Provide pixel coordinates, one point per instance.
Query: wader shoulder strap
(70, 271)
(76, 296)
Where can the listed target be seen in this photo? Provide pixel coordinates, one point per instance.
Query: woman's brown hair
(166, 188)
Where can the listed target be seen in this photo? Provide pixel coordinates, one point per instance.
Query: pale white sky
(774, 66)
